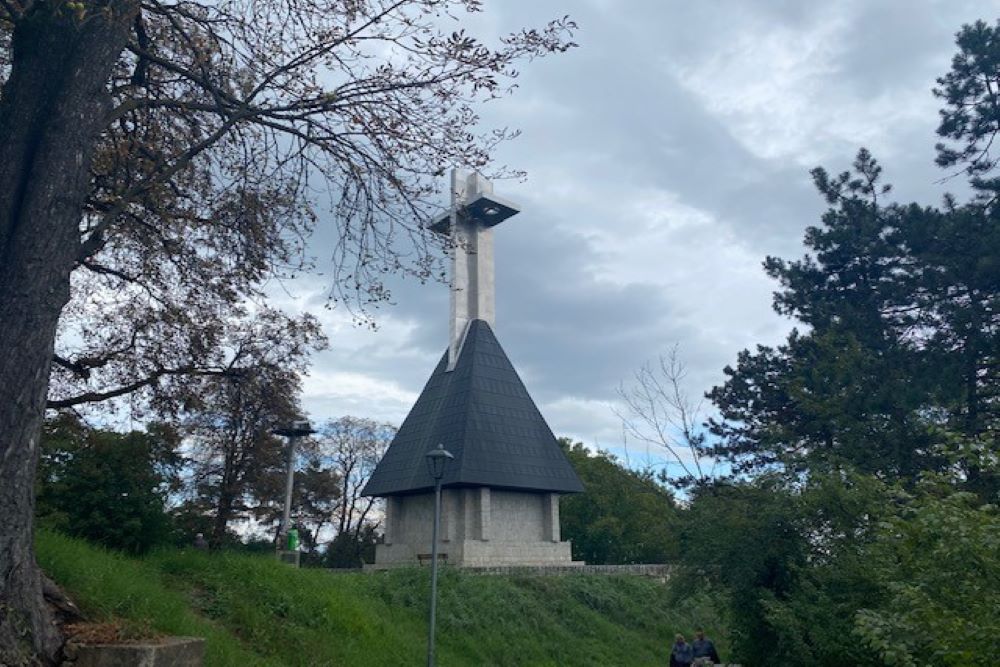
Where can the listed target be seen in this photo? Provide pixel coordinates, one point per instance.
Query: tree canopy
(900, 305)
(234, 127)
(623, 516)
(971, 119)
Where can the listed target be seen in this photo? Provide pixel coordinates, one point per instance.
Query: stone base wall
(167, 652)
(661, 572)
(473, 553)
(480, 527)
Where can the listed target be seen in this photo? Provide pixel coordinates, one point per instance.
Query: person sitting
(704, 650)
(682, 655)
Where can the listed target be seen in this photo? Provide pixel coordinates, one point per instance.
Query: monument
(500, 493)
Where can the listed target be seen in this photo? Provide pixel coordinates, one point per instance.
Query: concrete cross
(475, 210)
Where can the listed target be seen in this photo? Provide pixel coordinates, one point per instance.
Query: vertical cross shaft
(474, 212)
(472, 276)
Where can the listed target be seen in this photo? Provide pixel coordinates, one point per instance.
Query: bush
(109, 488)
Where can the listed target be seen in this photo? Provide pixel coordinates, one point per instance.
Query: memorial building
(500, 493)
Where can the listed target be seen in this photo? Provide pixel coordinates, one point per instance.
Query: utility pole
(297, 430)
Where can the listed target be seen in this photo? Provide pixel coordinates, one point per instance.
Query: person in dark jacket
(682, 654)
(703, 649)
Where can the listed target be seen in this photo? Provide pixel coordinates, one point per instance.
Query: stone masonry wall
(479, 527)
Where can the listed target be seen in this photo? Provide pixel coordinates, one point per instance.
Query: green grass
(254, 611)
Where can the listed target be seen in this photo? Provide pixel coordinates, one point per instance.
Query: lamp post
(297, 430)
(436, 459)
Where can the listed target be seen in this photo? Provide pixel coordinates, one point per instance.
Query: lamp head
(436, 460)
(298, 427)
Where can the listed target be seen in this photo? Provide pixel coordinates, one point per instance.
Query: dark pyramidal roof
(483, 415)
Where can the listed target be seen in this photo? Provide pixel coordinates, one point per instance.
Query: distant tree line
(211, 463)
(165, 484)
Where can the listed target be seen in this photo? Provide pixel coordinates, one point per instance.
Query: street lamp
(436, 460)
(296, 430)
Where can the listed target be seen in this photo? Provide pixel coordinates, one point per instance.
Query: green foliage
(255, 611)
(789, 557)
(868, 534)
(849, 569)
(107, 487)
(971, 115)
(352, 549)
(937, 560)
(623, 516)
(742, 538)
(812, 618)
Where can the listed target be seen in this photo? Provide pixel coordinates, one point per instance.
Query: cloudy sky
(666, 157)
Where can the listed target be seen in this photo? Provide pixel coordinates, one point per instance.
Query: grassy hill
(254, 611)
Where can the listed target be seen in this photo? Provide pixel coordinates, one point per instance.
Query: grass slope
(254, 611)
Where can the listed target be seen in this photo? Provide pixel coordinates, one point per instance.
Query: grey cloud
(573, 334)
(610, 119)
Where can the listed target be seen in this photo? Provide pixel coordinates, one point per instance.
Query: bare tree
(352, 447)
(315, 501)
(660, 413)
(160, 145)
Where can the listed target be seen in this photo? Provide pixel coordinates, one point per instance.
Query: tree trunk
(223, 514)
(228, 491)
(52, 108)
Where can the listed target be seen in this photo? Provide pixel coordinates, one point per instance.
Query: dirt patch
(110, 632)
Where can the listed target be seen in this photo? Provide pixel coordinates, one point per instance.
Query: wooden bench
(424, 559)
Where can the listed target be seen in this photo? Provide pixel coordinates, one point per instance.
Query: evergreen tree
(902, 313)
(901, 307)
(971, 117)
